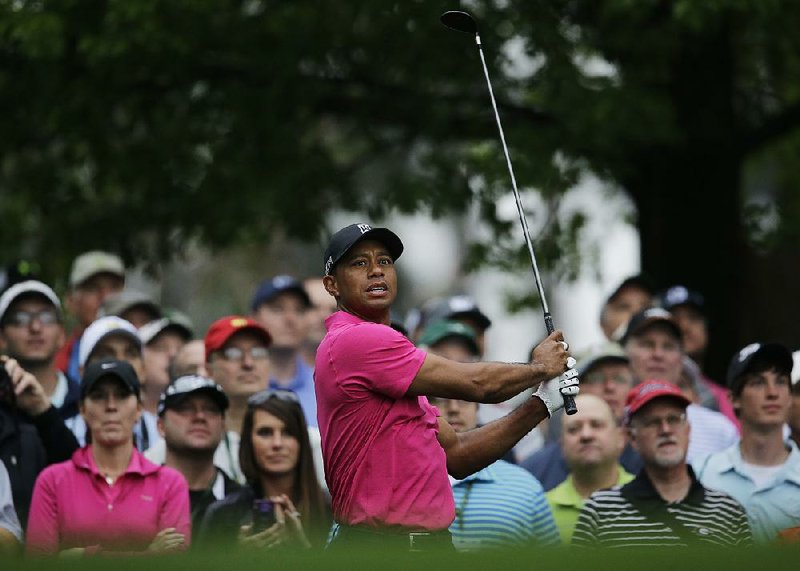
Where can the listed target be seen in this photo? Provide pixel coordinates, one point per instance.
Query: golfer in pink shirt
(387, 451)
(108, 497)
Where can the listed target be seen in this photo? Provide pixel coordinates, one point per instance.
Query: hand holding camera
(276, 522)
(19, 387)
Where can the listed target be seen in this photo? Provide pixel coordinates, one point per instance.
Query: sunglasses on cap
(189, 383)
(281, 394)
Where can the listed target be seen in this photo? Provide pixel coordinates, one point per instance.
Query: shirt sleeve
(8, 515)
(43, 529)
(379, 359)
(175, 511)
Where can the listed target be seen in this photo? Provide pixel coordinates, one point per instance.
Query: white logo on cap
(461, 303)
(749, 350)
(328, 265)
(107, 365)
(364, 227)
(282, 281)
(677, 295)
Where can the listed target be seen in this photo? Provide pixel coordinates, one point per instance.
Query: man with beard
(665, 504)
(191, 420)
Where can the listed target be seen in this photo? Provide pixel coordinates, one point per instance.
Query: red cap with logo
(645, 392)
(221, 330)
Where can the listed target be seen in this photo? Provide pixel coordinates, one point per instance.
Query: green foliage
(144, 126)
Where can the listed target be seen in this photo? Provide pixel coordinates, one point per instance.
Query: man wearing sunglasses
(665, 504)
(387, 451)
(32, 332)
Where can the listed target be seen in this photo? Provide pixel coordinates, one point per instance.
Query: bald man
(591, 441)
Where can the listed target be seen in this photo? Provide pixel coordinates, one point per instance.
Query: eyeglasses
(25, 318)
(236, 354)
(654, 423)
(281, 394)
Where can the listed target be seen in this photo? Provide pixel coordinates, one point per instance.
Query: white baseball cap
(26, 287)
(102, 328)
(96, 262)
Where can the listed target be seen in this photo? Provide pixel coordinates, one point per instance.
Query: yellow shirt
(566, 503)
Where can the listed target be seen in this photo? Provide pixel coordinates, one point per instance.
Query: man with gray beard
(665, 505)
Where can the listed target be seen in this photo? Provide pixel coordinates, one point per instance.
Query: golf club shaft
(569, 402)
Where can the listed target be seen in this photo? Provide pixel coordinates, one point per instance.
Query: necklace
(462, 505)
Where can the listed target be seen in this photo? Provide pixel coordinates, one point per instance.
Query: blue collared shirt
(303, 384)
(772, 507)
(501, 505)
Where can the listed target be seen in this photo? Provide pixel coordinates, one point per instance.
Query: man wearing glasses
(665, 504)
(32, 332)
(388, 452)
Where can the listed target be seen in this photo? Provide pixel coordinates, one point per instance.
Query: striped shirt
(635, 515)
(499, 506)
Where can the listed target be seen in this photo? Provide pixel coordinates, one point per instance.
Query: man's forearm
(476, 449)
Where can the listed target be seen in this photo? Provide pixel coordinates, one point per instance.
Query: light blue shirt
(303, 385)
(771, 508)
(501, 505)
(8, 516)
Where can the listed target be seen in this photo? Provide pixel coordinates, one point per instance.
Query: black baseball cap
(187, 385)
(770, 352)
(681, 295)
(344, 239)
(99, 370)
(458, 306)
(647, 317)
(639, 281)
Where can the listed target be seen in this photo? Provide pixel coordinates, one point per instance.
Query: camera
(263, 515)
(6, 386)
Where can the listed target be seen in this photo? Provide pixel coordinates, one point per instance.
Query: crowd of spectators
(136, 433)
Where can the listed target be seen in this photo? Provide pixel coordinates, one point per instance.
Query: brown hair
(307, 495)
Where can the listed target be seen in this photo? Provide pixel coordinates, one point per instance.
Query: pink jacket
(73, 506)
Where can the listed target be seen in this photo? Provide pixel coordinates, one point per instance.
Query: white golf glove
(552, 392)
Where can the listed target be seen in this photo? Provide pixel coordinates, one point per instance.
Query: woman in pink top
(108, 497)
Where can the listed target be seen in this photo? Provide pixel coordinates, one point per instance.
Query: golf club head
(459, 21)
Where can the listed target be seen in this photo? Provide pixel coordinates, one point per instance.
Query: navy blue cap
(680, 295)
(344, 239)
(272, 288)
(775, 353)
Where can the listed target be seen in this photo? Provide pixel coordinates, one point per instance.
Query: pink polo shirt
(383, 463)
(73, 506)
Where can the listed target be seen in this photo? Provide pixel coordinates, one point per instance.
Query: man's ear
(160, 426)
(331, 286)
(630, 434)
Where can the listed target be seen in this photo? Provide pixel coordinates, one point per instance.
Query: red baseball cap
(221, 330)
(645, 392)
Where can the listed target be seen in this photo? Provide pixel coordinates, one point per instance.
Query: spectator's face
(453, 349)
(37, 342)
(190, 360)
(655, 354)
(460, 414)
(322, 305)
(284, 317)
(619, 310)
(365, 281)
(276, 451)
(243, 371)
(157, 355)
(85, 300)
(660, 433)
(195, 423)
(110, 412)
(591, 437)
(611, 381)
(139, 315)
(120, 347)
(765, 399)
(693, 328)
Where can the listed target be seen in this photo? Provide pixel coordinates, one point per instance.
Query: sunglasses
(189, 383)
(281, 394)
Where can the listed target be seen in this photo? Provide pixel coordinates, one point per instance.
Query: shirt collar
(302, 372)
(731, 460)
(83, 459)
(565, 493)
(488, 474)
(641, 488)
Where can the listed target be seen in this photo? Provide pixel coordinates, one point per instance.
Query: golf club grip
(569, 401)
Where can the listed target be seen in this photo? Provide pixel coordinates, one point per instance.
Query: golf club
(463, 22)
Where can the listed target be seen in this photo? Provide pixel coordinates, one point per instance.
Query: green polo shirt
(566, 504)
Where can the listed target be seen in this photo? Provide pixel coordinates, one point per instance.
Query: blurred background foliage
(145, 127)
